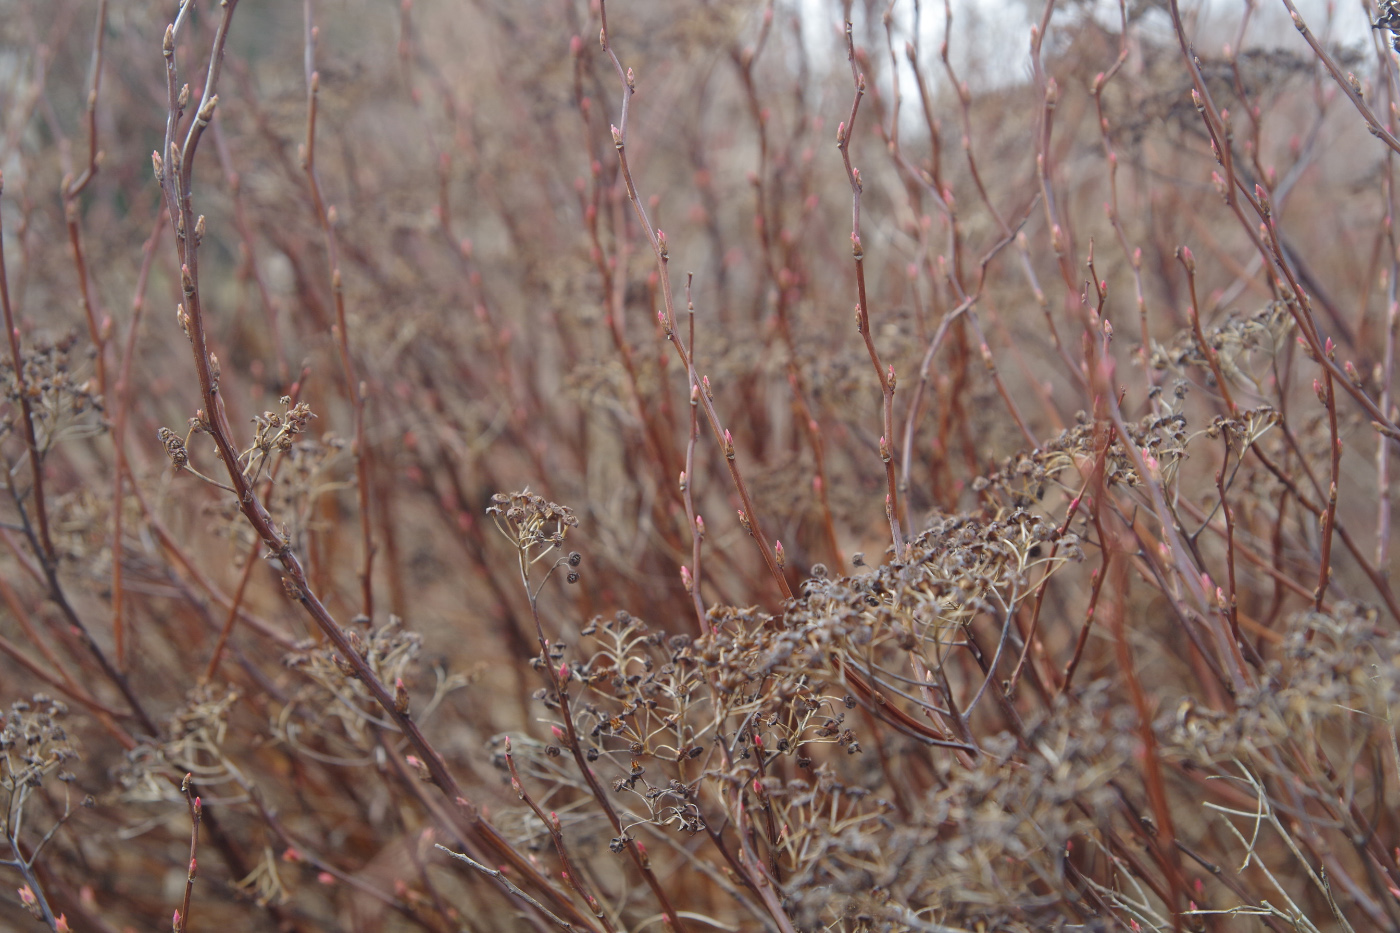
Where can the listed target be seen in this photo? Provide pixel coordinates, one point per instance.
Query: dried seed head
(1387, 16)
(174, 448)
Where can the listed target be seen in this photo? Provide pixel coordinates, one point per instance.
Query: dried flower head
(174, 447)
(335, 705)
(33, 745)
(533, 524)
(64, 404)
(1387, 16)
(275, 431)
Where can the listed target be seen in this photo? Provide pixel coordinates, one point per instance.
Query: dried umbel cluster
(756, 724)
(310, 469)
(1078, 450)
(536, 528)
(64, 404)
(1161, 438)
(751, 726)
(531, 522)
(1243, 347)
(1337, 684)
(333, 705)
(992, 846)
(80, 540)
(1326, 710)
(33, 745)
(275, 431)
(193, 743)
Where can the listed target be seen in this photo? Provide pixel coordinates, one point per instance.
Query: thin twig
(500, 878)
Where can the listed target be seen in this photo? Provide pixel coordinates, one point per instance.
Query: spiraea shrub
(693, 466)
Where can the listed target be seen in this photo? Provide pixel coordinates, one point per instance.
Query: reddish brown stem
(748, 516)
(182, 916)
(175, 177)
(886, 379)
(355, 390)
(556, 835)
